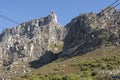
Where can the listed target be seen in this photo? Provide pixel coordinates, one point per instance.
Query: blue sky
(24, 10)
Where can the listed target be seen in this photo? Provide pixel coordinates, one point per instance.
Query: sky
(25, 10)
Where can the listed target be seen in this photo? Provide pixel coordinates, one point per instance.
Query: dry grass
(63, 66)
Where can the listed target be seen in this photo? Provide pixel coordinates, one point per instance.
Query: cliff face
(90, 31)
(42, 39)
(34, 39)
(31, 40)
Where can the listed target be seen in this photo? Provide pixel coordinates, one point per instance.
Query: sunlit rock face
(31, 40)
(41, 39)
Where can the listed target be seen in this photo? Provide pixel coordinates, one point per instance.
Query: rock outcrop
(90, 31)
(31, 40)
(40, 39)
(45, 39)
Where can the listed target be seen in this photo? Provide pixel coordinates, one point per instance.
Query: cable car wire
(107, 9)
(13, 21)
(114, 2)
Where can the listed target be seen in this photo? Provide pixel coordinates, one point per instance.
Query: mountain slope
(100, 65)
(93, 37)
(30, 42)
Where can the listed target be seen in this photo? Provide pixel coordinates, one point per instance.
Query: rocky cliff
(90, 31)
(31, 40)
(45, 39)
(34, 39)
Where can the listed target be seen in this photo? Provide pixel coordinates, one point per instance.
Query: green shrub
(86, 75)
(56, 77)
(84, 68)
(111, 67)
(103, 66)
(32, 77)
(72, 77)
(94, 73)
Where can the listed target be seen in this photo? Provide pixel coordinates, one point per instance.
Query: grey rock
(90, 31)
(31, 40)
(44, 40)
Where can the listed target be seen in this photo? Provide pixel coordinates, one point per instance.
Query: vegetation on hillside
(100, 64)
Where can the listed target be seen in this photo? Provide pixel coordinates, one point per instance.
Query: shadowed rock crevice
(48, 57)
